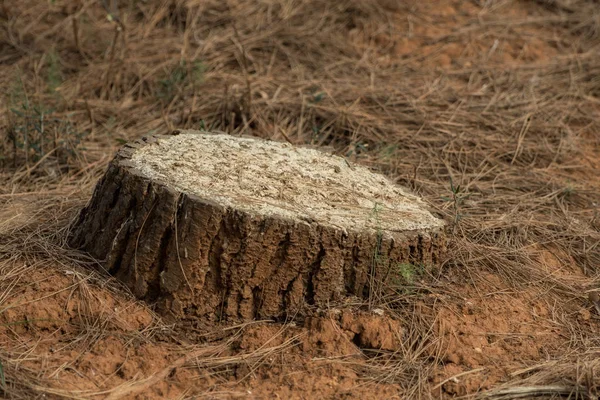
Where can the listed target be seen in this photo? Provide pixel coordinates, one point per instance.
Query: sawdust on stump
(209, 225)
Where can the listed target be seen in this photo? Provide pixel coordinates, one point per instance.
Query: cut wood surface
(209, 225)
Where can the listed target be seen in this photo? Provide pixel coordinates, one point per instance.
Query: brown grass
(519, 134)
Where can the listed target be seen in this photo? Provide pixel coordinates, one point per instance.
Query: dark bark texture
(200, 260)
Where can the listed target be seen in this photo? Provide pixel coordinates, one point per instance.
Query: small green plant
(388, 152)
(404, 276)
(317, 134)
(408, 272)
(54, 75)
(35, 132)
(178, 78)
(198, 72)
(568, 191)
(457, 200)
(317, 97)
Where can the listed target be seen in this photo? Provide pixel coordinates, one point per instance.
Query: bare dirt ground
(490, 110)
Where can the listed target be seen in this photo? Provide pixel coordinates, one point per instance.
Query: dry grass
(518, 134)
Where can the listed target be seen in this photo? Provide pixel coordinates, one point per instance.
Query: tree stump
(208, 225)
